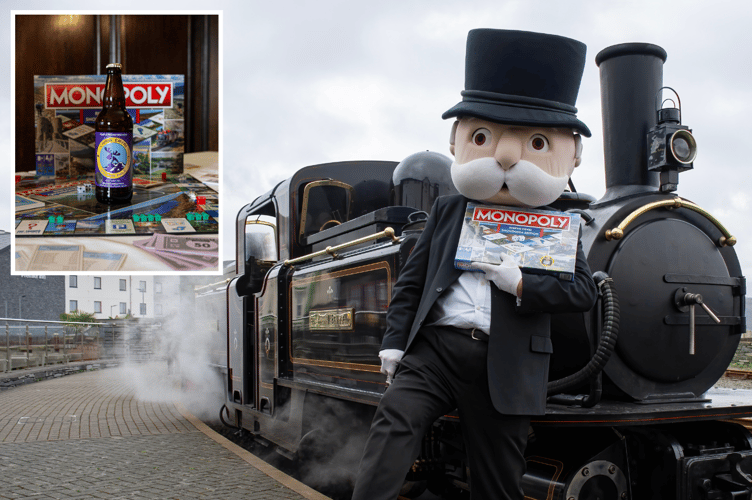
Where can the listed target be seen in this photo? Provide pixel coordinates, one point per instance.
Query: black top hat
(522, 78)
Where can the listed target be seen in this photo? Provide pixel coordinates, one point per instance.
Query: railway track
(738, 374)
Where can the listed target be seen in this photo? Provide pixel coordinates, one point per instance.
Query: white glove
(390, 358)
(506, 276)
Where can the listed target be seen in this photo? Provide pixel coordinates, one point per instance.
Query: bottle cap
(115, 65)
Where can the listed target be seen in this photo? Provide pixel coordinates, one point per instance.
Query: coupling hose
(607, 343)
(222, 418)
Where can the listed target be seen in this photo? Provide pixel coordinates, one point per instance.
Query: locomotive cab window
(260, 238)
(325, 204)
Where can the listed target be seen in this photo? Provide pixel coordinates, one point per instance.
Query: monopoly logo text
(521, 218)
(89, 95)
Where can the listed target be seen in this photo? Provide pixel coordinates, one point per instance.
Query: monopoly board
(65, 207)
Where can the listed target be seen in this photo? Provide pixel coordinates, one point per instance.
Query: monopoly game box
(67, 106)
(539, 241)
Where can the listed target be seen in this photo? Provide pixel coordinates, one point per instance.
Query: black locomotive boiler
(631, 414)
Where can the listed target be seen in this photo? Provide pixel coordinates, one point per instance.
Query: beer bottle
(113, 136)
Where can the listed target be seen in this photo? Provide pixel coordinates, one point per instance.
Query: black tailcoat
(520, 344)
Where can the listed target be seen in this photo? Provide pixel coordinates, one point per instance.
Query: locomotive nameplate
(331, 319)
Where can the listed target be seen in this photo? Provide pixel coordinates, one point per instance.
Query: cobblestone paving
(167, 466)
(92, 404)
(90, 435)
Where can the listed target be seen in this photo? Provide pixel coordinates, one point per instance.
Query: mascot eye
(538, 143)
(481, 136)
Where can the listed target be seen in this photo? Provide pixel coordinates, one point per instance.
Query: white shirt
(465, 304)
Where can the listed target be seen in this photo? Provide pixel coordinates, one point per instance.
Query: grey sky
(313, 82)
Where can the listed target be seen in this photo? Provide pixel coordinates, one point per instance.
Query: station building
(109, 296)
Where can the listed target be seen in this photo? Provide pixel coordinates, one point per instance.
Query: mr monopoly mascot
(480, 341)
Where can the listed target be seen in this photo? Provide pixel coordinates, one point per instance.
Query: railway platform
(120, 432)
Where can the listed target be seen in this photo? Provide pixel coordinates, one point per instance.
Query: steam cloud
(175, 359)
(176, 362)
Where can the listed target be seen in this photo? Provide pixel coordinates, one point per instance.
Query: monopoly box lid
(539, 241)
(66, 107)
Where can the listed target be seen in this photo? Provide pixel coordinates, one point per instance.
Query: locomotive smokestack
(631, 76)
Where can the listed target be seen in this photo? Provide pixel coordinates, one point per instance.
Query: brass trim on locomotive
(307, 193)
(332, 319)
(211, 285)
(558, 467)
(332, 251)
(618, 232)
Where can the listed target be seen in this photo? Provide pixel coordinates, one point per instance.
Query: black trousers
(444, 370)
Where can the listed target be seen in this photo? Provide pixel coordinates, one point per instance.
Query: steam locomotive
(631, 412)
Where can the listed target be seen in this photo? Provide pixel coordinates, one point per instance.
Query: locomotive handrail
(618, 232)
(210, 285)
(388, 232)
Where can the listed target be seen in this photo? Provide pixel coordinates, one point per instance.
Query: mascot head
(516, 140)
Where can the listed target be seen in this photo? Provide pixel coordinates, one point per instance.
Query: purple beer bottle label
(114, 157)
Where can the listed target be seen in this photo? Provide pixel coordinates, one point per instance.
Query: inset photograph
(117, 143)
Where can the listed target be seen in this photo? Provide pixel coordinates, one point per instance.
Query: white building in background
(113, 296)
(107, 297)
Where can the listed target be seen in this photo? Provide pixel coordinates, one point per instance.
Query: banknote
(22, 258)
(181, 264)
(185, 244)
(102, 261)
(183, 252)
(56, 258)
(200, 260)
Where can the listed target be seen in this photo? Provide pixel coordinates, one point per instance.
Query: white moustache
(482, 178)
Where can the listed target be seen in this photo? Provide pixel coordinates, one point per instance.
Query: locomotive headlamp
(683, 146)
(671, 146)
